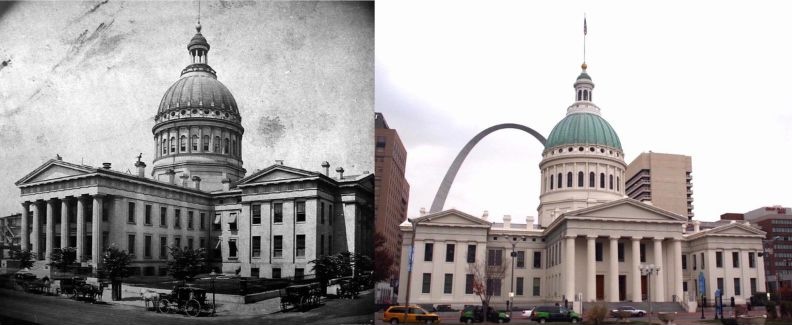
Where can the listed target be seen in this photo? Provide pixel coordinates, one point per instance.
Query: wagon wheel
(193, 308)
(164, 306)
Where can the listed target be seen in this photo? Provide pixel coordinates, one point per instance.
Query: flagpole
(585, 32)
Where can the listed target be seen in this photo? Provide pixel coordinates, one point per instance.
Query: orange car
(415, 314)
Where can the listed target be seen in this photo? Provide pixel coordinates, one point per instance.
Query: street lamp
(213, 275)
(648, 269)
(414, 224)
(513, 255)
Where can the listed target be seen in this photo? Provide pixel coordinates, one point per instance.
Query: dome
(583, 128)
(201, 91)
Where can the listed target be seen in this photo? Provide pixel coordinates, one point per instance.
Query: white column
(80, 228)
(659, 285)
(634, 271)
(24, 226)
(96, 230)
(49, 229)
(678, 269)
(613, 270)
(64, 223)
(34, 240)
(569, 273)
(591, 269)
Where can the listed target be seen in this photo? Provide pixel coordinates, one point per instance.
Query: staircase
(656, 306)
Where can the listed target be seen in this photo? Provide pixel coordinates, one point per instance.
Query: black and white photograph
(173, 162)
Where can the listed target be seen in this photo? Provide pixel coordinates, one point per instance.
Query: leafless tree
(486, 275)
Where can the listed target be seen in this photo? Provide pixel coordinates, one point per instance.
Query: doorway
(643, 288)
(600, 287)
(622, 287)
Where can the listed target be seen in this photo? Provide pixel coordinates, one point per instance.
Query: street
(26, 308)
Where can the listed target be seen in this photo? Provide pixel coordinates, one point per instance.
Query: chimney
(326, 166)
(141, 168)
(226, 184)
(696, 226)
(197, 182)
(684, 229)
(171, 176)
(485, 215)
(106, 166)
(507, 221)
(340, 171)
(529, 220)
(279, 162)
(184, 179)
(422, 212)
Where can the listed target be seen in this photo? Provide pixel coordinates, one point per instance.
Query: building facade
(589, 243)
(663, 179)
(776, 221)
(268, 224)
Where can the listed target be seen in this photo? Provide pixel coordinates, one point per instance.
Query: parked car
(444, 308)
(472, 314)
(544, 314)
(415, 314)
(634, 312)
(526, 313)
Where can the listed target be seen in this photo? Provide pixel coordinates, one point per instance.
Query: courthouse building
(268, 224)
(590, 239)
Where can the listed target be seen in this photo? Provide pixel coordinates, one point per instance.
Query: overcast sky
(708, 79)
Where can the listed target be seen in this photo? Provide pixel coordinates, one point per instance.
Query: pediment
(452, 217)
(53, 170)
(627, 210)
(736, 229)
(276, 173)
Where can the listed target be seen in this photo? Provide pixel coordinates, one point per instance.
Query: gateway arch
(445, 186)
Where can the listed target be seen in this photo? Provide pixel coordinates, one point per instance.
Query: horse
(151, 296)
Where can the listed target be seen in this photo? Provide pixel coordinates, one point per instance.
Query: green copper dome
(583, 128)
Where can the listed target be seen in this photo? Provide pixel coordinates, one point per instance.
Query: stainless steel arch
(445, 186)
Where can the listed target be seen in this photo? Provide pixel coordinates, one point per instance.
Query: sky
(707, 79)
(84, 80)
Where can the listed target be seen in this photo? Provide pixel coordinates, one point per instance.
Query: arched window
(580, 179)
(569, 179)
(233, 147)
(206, 143)
(560, 180)
(617, 184)
(551, 182)
(164, 146)
(585, 95)
(217, 144)
(602, 180)
(183, 143)
(225, 146)
(580, 94)
(610, 180)
(173, 144)
(592, 180)
(195, 142)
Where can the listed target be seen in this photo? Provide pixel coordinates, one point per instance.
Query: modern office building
(663, 179)
(776, 221)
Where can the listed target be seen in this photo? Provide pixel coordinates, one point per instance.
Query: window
(216, 222)
(720, 284)
(254, 272)
(277, 246)
(620, 251)
(183, 143)
(694, 261)
(618, 181)
(702, 261)
(684, 262)
(163, 248)
(521, 259)
(735, 259)
(300, 207)
(178, 242)
(592, 179)
(471, 254)
(580, 179)
(206, 143)
(537, 260)
(718, 259)
(232, 222)
(176, 218)
(642, 249)
(737, 287)
(202, 242)
(299, 273)
(147, 247)
(495, 257)
(131, 244)
(428, 251)
(321, 245)
(519, 286)
(560, 180)
(189, 220)
(551, 182)
(569, 179)
(330, 214)
(232, 248)
(256, 246)
(469, 284)
(426, 284)
(164, 146)
(225, 145)
(276, 273)
(255, 211)
(684, 286)
(148, 214)
(448, 282)
(131, 213)
(163, 217)
(751, 260)
(190, 243)
(602, 180)
(450, 252)
(753, 286)
(277, 212)
(203, 221)
(173, 144)
(598, 252)
(330, 244)
(300, 245)
(195, 142)
(217, 144)
(233, 147)
(321, 212)
(494, 287)
(536, 286)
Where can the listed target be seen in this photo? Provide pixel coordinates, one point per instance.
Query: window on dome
(195, 142)
(225, 146)
(579, 94)
(602, 180)
(610, 182)
(551, 182)
(560, 180)
(233, 147)
(183, 143)
(173, 144)
(206, 143)
(164, 146)
(569, 179)
(217, 144)
(592, 180)
(580, 179)
(618, 181)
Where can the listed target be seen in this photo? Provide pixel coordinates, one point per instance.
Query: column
(64, 222)
(49, 229)
(659, 283)
(613, 270)
(569, 257)
(96, 231)
(635, 272)
(24, 226)
(34, 241)
(591, 269)
(678, 269)
(80, 228)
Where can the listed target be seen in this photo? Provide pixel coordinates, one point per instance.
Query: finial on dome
(584, 66)
(198, 27)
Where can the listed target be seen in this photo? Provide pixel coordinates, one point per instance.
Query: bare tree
(488, 279)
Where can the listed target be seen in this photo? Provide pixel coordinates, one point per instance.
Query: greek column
(678, 269)
(34, 241)
(25, 225)
(80, 229)
(613, 269)
(64, 223)
(635, 271)
(570, 268)
(659, 276)
(49, 229)
(96, 229)
(591, 269)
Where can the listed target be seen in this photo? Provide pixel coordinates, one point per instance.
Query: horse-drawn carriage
(301, 297)
(190, 300)
(348, 288)
(78, 288)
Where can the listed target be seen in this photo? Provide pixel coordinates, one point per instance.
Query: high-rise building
(664, 180)
(391, 190)
(776, 221)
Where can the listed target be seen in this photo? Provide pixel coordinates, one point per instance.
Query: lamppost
(648, 269)
(513, 255)
(414, 224)
(213, 275)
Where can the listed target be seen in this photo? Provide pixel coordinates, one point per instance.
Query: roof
(583, 129)
(200, 91)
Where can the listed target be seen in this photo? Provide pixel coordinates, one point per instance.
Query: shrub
(596, 314)
(771, 310)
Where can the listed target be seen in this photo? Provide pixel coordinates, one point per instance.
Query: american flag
(585, 29)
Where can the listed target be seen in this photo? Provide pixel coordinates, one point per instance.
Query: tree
(25, 257)
(115, 265)
(325, 268)
(186, 263)
(62, 258)
(487, 279)
(383, 269)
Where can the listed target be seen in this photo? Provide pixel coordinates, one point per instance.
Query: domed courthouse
(268, 224)
(591, 242)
